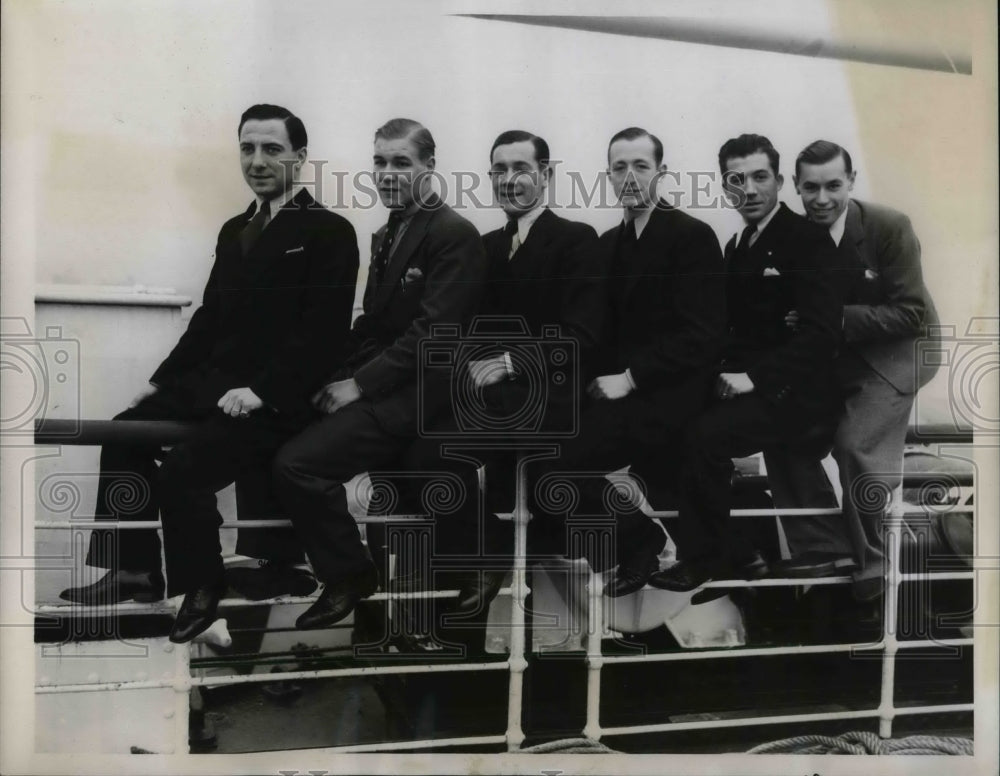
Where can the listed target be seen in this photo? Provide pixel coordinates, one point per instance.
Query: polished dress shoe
(810, 565)
(271, 580)
(681, 577)
(197, 612)
(632, 576)
(338, 600)
(478, 591)
(117, 586)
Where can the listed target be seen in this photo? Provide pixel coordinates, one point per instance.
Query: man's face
(518, 181)
(825, 189)
(400, 175)
(752, 185)
(266, 156)
(634, 172)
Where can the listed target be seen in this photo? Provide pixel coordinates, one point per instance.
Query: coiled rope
(570, 746)
(864, 742)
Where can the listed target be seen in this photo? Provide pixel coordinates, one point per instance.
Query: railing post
(890, 612)
(595, 659)
(182, 696)
(519, 594)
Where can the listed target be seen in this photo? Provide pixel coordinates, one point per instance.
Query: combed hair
(821, 152)
(419, 135)
(634, 133)
(293, 124)
(746, 145)
(520, 136)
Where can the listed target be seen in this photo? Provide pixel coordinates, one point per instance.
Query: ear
(301, 155)
(850, 180)
(431, 163)
(795, 181)
(662, 169)
(781, 181)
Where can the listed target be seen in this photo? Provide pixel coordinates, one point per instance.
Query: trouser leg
(128, 488)
(309, 475)
(869, 451)
(222, 450)
(727, 429)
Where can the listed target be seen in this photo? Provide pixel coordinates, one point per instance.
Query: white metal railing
(516, 663)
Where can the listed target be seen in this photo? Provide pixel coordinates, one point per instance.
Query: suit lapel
(656, 239)
(854, 234)
(538, 239)
(411, 239)
(275, 239)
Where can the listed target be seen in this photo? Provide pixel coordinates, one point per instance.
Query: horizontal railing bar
(736, 651)
(89, 432)
(394, 746)
(937, 576)
(218, 681)
(928, 643)
(134, 525)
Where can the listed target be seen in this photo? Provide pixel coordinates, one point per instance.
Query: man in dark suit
(544, 276)
(274, 321)
(774, 384)
(886, 309)
(427, 268)
(666, 300)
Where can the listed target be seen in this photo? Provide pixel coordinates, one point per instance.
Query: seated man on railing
(427, 268)
(541, 315)
(775, 385)
(653, 367)
(273, 323)
(886, 309)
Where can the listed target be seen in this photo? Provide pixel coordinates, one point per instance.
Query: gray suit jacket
(887, 308)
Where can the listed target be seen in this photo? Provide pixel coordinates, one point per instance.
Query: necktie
(629, 235)
(747, 238)
(511, 238)
(381, 260)
(252, 231)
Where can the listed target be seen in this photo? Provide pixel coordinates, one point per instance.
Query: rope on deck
(570, 746)
(864, 742)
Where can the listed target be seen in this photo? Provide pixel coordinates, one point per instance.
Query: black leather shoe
(338, 600)
(632, 576)
(197, 613)
(810, 565)
(117, 586)
(478, 592)
(681, 577)
(271, 581)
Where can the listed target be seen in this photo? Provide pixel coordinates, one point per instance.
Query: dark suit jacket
(789, 267)
(886, 305)
(666, 326)
(556, 279)
(434, 276)
(277, 320)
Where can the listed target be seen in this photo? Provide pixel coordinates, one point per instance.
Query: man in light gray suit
(887, 309)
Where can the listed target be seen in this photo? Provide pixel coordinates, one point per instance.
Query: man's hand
(610, 387)
(145, 393)
(732, 384)
(488, 371)
(239, 402)
(336, 395)
(792, 319)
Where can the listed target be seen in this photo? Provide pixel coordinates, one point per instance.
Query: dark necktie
(509, 234)
(745, 236)
(252, 231)
(381, 260)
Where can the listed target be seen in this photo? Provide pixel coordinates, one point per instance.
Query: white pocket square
(871, 274)
(300, 249)
(771, 272)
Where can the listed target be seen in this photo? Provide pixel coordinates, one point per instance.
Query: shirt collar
(280, 201)
(641, 220)
(526, 221)
(838, 226)
(762, 224)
